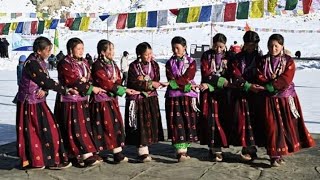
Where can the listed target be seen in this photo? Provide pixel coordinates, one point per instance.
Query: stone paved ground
(302, 165)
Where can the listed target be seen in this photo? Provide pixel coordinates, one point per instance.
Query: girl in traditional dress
(107, 122)
(285, 128)
(142, 115)
(213, 97)
(73, 110)
(181, 98)
(243, 95)
(39, 142)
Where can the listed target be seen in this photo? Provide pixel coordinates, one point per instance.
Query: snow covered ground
(306, 78)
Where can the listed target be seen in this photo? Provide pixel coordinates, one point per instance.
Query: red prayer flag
(230, 12)
(34, 27)
(2, 27)
(121, 22)
(174, 11)
(306, 6)
(69, 22)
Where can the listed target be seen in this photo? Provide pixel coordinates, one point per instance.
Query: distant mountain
(51, 5)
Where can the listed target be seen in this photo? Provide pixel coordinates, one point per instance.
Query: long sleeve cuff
(211, 88)
(246, 86)
(269, 87)
(90, 90)
(187, 88)
(121, 90)
(221, 81)
(173, 84)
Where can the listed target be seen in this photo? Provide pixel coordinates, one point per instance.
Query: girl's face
(44, 54)
(219, 47)
(178, 50)
(250, 47)
(275, 48)
(147, 55)
(109, 52)
(77, 51)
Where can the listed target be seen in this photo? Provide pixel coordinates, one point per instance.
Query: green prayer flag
(56, 41)
(76, 24)
(183, 15)
(243, 10)
(131, 23)
(6, 29)
(40, 27)
(291, 4)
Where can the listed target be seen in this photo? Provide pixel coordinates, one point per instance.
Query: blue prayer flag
(152, 19)
(54, 24)
(104, 17)
(19, 27)
(205, 14)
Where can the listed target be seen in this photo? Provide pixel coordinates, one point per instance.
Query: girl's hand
(226, 83)
(156, 84)
(83, 79)
(73, 91)
(97, 90)
(40, 94)
(256, 88)
(132, 91)
(140, 78)
(195, 87)
(164, 84)
(203, 86)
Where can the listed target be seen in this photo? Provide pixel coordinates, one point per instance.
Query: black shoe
(216, 157)
(145, 158)
(119, 158)
(91, 161)
(61, 166)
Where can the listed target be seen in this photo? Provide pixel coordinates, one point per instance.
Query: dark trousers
(124, 78)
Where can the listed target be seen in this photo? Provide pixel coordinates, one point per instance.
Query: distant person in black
(6, 45)
(1, 48)
(298, 54)
(60, 56)
(89, 59)
(52, 61)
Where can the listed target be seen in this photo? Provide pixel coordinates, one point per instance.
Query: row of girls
(245, 99)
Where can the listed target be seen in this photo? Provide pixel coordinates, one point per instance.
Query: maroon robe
(181, 117)
(106, 119)
(211, 128)
(241, 125)
(285, 130)
(146, 128)
(39, 141)
(72, 112)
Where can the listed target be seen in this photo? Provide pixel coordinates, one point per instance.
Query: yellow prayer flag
(300, 12)
(141, 19)
(47, 23)
(257, 9)
(13, 26)
(193, 15)
(84, 25)
(272, 5)
(39, 15)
